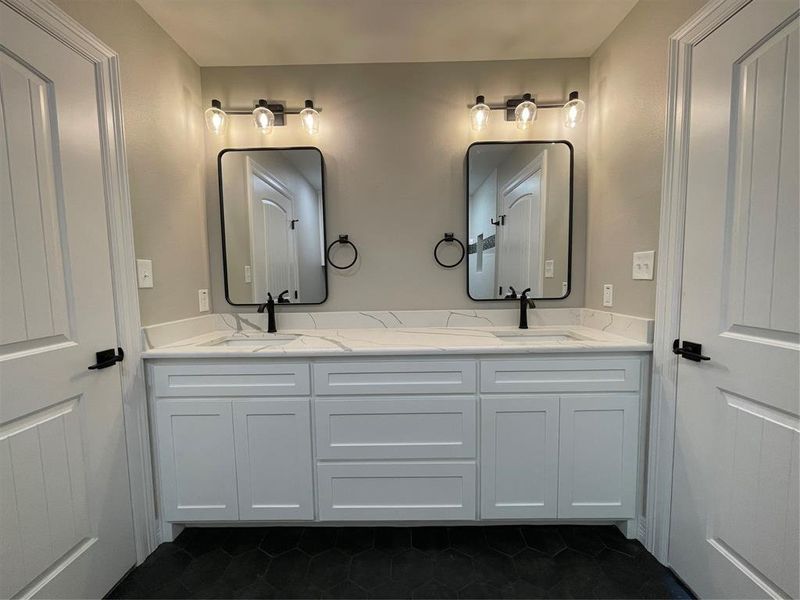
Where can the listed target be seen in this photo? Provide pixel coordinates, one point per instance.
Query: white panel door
(519, 457)
(197, 465)
(734, 521)
(598, 456)
(65, 508)
(273, 459)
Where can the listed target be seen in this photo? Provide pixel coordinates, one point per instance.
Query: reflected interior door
(65, 508)
(521, 236)
(272, 237)
(734, 522)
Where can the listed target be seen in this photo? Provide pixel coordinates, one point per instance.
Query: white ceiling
(295, 32)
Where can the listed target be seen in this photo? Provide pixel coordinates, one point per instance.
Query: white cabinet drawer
(232, 379)
(395, 377)
(396, 491)
(531, 375)
(411, 427)
(598, 456)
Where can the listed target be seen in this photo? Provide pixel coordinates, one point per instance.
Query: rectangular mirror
(519, 219)
(272, 204)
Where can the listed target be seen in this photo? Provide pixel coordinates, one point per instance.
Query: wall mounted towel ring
(449, 238)
(343, 239)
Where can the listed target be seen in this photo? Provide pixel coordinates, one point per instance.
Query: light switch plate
(549, 266)
(608, 295)
(248, 277)
(144, 272)
(564, 288)
(202, 296)
(643, 264)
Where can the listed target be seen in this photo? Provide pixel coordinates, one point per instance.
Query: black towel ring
(449, 238)
(343, 239)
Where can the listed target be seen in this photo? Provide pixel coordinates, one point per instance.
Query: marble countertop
(396, 340)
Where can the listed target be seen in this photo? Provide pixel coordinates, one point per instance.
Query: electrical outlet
(564, 288)
(202, 296)
(549, 267)
(144, 272)
(248, 276)
(643, 264)
(608, 295)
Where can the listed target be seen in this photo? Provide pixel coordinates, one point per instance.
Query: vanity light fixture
(263, 117)
(573, 111)
(523, 111)
(216, 118)
(310, 118)
(479, 114)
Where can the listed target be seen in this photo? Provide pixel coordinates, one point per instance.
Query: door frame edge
(670, 269)
(57, 23)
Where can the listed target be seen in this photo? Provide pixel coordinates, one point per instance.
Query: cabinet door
(198, 469)
(273, 459)
(519, 457)
(598, 456)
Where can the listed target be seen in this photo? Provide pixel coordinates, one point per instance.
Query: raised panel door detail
(427, 427)
(196, 458)
(273, 459)
(396, 491)
(232, 379)
(546, 375)
(43, 497)
(33, 297)
(395, 377)
(519, 457)
(598, 456)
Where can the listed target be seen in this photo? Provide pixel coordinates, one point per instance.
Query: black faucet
(524, 303)
(282, 299)
(269, 305)
(512, 293)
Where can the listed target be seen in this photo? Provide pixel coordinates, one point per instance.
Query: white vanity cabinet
(535, 437)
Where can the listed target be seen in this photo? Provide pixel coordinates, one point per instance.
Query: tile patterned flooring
(408, 562)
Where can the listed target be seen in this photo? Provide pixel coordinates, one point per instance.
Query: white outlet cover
(564, 288)
(248, 276)
(144, 272)
(608, 295)
(549, 267)
(643, 264)
(202, 296)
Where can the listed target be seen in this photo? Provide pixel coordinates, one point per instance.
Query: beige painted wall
(628, 75)
(394, 138)
(163, 118)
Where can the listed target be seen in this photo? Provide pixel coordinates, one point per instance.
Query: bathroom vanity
(400, 423)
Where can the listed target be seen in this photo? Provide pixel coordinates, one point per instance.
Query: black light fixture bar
(512, 104)
(279, 110)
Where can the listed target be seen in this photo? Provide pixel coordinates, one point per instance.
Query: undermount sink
(525, 336)
(252, 341)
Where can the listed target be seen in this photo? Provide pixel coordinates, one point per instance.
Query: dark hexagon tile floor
(410, 562)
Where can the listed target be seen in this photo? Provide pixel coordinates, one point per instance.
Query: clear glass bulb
(264, 119)
(216, 119)
(525, 113)
(573, 112)
(479, 115)
(310, 118)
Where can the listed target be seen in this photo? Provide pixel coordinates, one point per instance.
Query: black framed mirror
(272, 212)
(519, 219)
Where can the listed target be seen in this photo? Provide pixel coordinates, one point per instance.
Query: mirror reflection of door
(521, 233)
(272, 236)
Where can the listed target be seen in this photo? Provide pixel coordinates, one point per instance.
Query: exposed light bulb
(525, 113)
(263, 117)
(573, 111)
(216, 119)
(310, 118)
(479, 114)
